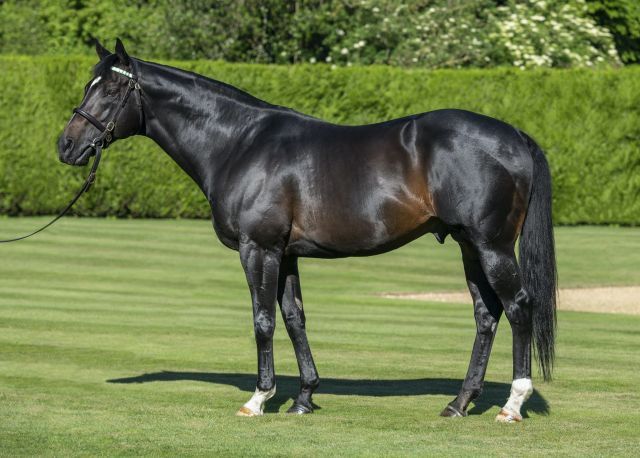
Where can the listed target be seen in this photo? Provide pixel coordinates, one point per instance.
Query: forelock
(102, 67)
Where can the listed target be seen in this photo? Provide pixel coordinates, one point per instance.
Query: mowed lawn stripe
(135, 337)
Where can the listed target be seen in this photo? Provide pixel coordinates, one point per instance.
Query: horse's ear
(121, 52)
(101, 50)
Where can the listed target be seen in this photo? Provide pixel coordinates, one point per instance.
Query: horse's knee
(293, 315)
(293, 321)
(264, 326)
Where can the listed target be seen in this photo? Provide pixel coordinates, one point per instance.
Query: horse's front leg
(261, 267)
(290, 298)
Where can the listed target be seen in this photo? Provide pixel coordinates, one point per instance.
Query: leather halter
(106, 132)
(98, 143)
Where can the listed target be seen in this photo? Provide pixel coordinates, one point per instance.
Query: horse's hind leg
(500, 266)
(487, 310)
(290, 299)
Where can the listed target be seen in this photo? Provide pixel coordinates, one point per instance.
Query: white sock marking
(256, 403)
(521, 389)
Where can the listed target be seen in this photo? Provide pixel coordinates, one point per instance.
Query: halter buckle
(110, 126)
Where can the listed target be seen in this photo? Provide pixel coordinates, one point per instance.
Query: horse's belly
(344, 234)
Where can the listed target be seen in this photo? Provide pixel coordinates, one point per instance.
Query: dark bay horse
(284, 185)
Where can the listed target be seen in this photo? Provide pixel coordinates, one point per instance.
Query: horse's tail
(538, 261)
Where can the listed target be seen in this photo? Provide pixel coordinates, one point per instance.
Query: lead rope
(85, 187)
(105, 137)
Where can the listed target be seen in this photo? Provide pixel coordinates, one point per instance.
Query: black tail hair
(538, 261)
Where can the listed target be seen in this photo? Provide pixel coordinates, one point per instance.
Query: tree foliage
(622, 18)
(413, 33)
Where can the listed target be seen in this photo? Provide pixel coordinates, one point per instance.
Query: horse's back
(360, 190)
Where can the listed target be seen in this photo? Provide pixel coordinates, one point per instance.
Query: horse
(284, 185)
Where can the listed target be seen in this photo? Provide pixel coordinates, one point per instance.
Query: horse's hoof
(451, 411)
(299, 409)
(508, 417)
(247, 412)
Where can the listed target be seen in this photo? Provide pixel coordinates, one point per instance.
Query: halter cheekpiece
(106, 132)
(101, 141)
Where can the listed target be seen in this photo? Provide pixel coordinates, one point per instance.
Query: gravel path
(608, 299)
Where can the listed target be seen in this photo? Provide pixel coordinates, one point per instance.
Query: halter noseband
(101, 141)
(106, 132)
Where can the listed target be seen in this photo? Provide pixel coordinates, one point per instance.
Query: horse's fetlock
(522, 387)
(311, 384)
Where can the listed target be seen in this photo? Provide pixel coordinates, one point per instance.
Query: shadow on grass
(494, 394)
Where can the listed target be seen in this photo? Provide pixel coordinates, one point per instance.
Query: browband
(106, 132)
(122, 72)
(98, 143)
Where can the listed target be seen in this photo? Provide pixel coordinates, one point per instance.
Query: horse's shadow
(494, 394)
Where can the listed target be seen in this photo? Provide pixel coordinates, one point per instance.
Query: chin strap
(97, 147)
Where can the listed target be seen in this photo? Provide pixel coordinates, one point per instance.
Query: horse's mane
(103, 68)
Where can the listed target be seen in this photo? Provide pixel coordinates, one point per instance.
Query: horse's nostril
(68, 144)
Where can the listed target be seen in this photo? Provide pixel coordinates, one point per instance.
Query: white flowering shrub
(418, 33)
(450, 33)
(552, 34)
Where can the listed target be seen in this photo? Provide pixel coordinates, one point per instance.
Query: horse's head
(110, 109)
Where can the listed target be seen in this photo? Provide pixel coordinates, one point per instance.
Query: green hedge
(587, 121)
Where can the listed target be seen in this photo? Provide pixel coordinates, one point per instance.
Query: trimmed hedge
(587, 121)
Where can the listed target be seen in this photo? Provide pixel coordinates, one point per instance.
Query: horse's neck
(198, 122)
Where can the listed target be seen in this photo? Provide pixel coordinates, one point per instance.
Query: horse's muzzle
(69, 154)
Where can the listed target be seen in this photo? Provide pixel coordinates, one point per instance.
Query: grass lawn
(134, 337)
